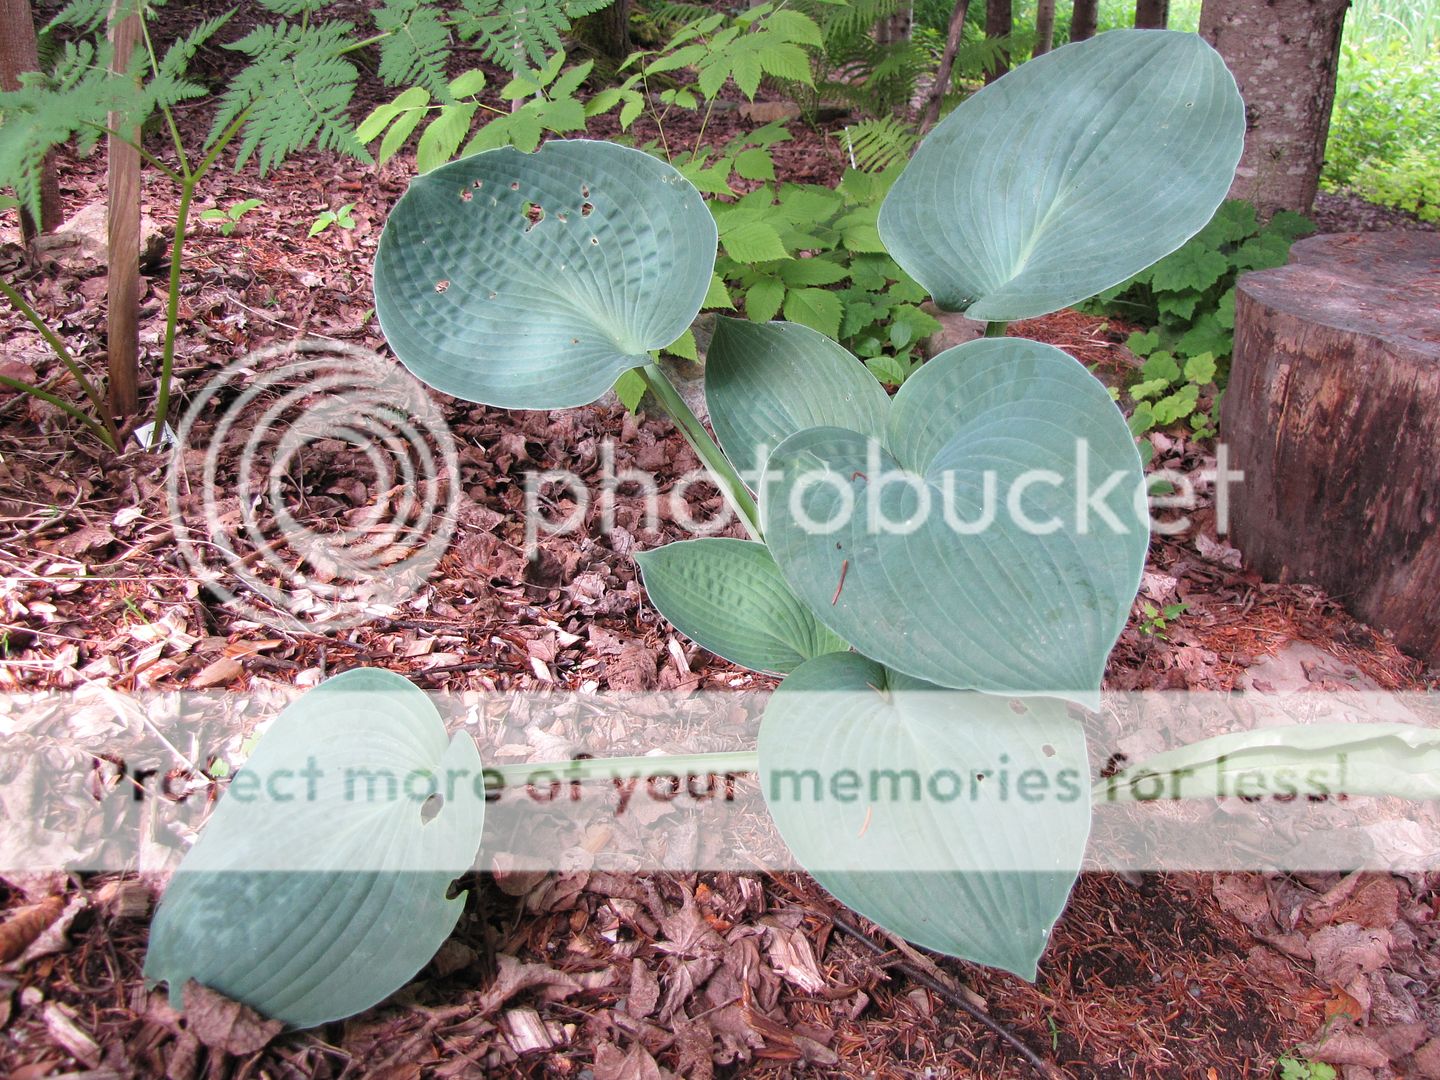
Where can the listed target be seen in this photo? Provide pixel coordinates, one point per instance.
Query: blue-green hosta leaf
(764, 382)
(993, 542)
(317, 888)
(1067, 176)
(728, 596)
(532, 281)
(875, 782)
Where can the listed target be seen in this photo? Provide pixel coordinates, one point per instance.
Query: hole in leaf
(1018, 707)
(514, 185)
(574, 341)
(431, 807)
(562, 218)
(979, 776)
(442, 285)
(465, 194)
(534, 214)
(492, 296)
(584, 191)
(1048, 750)
(478, 184)
(586, 209)
(593, 240)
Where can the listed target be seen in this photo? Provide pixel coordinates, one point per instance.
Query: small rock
(767, 112)
(955, 329)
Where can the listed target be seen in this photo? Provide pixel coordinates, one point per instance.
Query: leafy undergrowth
(602, 975)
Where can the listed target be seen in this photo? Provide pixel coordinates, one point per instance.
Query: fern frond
(578, 9)
(86, 16)
(516, 34)
(76, 98)
(845, 23)
(415, 52)
(296, 89)
(294, 7)
(875, 145)
(169, 84)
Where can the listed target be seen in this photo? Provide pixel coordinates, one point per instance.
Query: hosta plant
(917, 631)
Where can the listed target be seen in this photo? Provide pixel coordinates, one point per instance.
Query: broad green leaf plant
(537, 280)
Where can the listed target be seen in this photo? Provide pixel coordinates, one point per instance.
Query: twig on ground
(932, 984)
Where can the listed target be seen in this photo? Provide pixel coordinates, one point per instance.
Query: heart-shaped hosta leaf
(766, 381)
(728, 596)
(1070, 174)
(533, 281)
(994, 542)
(318, 886)
(956, 820)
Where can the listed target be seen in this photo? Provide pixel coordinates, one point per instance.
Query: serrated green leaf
(763, 299)
(630, 388)
(819, 309)
(1200, 369)
(717, 296)
(1161, 365)
(755, 164)
(1192, 267)
(812, 272)
(750, 241)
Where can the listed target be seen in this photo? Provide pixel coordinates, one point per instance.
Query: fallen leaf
(224, 1025)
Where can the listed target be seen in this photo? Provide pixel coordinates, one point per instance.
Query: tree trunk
(1044, 27)
(123, 315)
(608, 31)
(1084, 18)
(19, 54)
(895, 28)
(999, 23)
(1284, 55)
(1333, 414)
(947, 65)
(1152, 14)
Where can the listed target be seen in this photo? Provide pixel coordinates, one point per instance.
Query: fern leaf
(578, 9)
(415, 52)
(876, 145)
(76, 98)
(294, 7)
(297, 90)
(516, 34)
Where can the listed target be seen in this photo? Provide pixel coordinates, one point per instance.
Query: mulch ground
(606, 976)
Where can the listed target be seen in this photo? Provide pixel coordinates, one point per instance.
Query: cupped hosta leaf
(956, 820)
(1070, 174)
(994, 542)
(318, 886)
(532, 281)
(1402, 760)
(728, 596)
(766, 381)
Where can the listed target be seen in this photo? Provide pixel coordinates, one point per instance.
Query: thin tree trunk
(19, 54)
(1284, 55)
(947, 65)
(608, 31)
(1044, 27)
(1084, 19)
(895, 28)
(999, 23)
(1152, 14)
(123, 317)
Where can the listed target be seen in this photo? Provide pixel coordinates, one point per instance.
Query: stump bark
(1333, 413)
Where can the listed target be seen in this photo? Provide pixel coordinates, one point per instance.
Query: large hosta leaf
(532, 281)
(317, 889)
(994, 542)
(766, 381)
(956, 820)
(728, 596)
(1070, 174)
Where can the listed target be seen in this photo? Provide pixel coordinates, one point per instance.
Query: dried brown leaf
(226, 1026)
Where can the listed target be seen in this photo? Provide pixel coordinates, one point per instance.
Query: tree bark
(1333, 414)
(608, 31)
(1084, 19)
(999, 23)
(1152, 14)
(1284, 56)
(947, 65)
(123, 314)
(19, 54)
(895, 28)
(1044, 27)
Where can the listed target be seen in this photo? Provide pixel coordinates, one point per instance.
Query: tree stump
(1333, 413)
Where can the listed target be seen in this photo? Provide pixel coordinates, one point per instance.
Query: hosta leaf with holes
(956, 820)
(317, 889)
(992, 541)
(532, 281)
(765, 382)
(728, 596)
(1070, 174)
